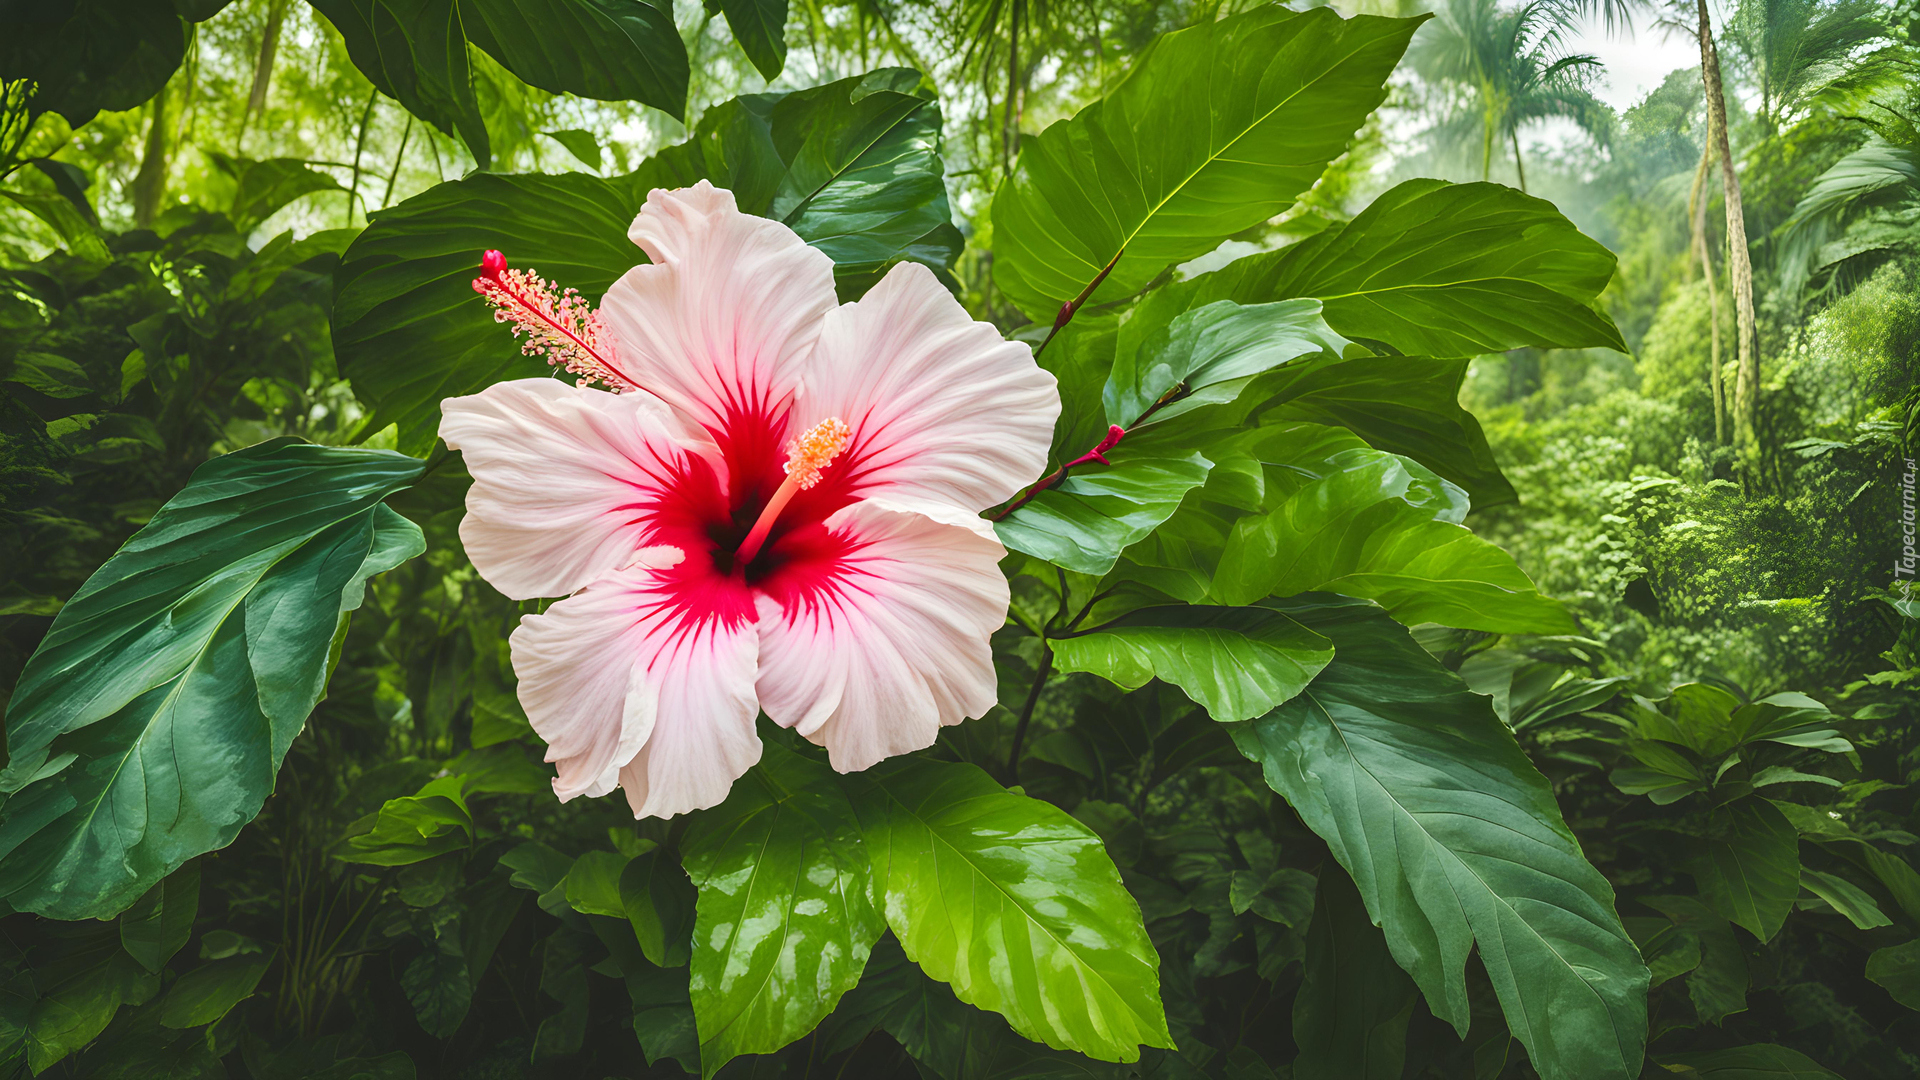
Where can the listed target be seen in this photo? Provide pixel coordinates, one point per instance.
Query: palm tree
(1505, 61)
(1799, 50)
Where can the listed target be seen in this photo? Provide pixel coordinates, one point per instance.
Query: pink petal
(719, 323)
(567, 481)
(941, 406)
(632, 681)
(878, 648)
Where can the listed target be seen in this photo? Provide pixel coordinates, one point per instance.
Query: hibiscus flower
(778, 511)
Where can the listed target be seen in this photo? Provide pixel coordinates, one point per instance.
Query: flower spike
(559, 325)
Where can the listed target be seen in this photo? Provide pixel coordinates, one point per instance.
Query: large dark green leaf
(1455, 840)
(851, 166)
(1435, 268)
(1215, 129)
(1238, 663)
(207, 993)
(94, 55)
(1350, 1016)
(1749, 870)
(1897, 968)
(785, 916)
(760, 27)
(610, 50)
(149, 725)
(415, 52)
(1210, 354)
(1014, 904)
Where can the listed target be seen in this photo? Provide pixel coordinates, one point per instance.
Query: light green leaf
(1455, 840)
(1237, 663)
(581, 144)
(593, 884)
(182, 670)
(1440, 269)
(54, 376)
(1100, 510)
(1749, 868)
(1209, 355)
(1215, 129)
(1014, 904)
(785, 918)
(210, 991)
(1361, 522)
(1897, 968)
(263, 187)
(1350, 1016)
(414, 828)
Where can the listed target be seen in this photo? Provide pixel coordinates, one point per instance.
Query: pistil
(559, 325)
(807, 456)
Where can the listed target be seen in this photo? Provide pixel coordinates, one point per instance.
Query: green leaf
(1216, 128)
(785, 918)
(1350, 1016)
(207, 993)
(180, 673)
(1845, 897)
(437, 982)
(760, 26)
(414, 828)
(1210, 354)
(1897, 968)
(1439, 269)
(1358, 521)
(1749, 868)
(1718, 986)
(659, 901)
(581, 144)
(54, 376)
(1099, 511)
(1237, 663)
(1762, 1061)
(1455, 840)
(851, 166)
(263, 187)
(1013, 903)
(159, 923)
(82, 237)
(593, 884)
(608, 50)
(415, 52)
(102, 55)
(1668, 950)
(542, 871)
(84, 977)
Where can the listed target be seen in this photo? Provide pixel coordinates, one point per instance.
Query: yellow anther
(815, 450)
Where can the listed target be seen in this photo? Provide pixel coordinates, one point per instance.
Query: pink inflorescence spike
(559, 325)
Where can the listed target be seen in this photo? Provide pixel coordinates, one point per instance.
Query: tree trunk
(262, 67)
(1517, 167)
(1697, 223)
(1746, 392)
(1012, 134)
(150, 183)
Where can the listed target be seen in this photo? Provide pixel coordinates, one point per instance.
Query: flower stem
(1026, 713)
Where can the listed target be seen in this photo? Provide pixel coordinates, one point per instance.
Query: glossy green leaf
(760, 28)
(1438, 269)
(1455, 841)
(593, 884)
(1099, 511)
(1897, 968)
(207, 993)
(150, 723)
(1350, 1016)
(785, 917)
(1209, 355)
(1749, 868)
(1215, 129)
(851, 166)
(1358, 521)
(1014, 904)
(1762, 1061)
(1237, 663)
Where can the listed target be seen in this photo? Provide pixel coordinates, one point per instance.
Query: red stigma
(492, 265)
